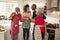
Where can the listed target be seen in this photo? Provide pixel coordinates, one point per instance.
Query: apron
(37, 33)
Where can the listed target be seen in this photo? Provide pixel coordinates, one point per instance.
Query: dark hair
(25, 7)
(34, 5)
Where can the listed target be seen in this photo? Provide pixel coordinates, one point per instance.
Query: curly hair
(25, 7)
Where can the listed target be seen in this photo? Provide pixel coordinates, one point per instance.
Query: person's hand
(26, 16)
(13, 15)
(16, 25)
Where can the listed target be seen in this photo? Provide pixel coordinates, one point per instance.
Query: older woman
(26, 23)
(39, 24)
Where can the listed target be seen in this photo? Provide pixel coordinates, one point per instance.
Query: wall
(39, 3)
(21, 3)
(53, 20)
(53, 17)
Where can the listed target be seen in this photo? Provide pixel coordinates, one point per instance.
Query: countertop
(53, 28)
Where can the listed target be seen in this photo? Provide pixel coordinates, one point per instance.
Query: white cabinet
(2, 36)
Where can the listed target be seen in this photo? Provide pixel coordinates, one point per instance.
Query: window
(6, 8)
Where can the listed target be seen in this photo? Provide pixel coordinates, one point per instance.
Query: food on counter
(2, 29)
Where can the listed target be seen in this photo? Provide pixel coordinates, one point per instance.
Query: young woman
(26, 23)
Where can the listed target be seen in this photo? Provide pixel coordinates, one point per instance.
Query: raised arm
(11, 16)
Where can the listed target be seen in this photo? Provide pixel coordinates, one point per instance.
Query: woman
(26, 22)
(39, 25)
(15, 17)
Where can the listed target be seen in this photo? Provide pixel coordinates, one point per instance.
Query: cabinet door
(1, 35)
(53, 3)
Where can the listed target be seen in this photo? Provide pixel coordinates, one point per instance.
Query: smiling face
(17, 9)
(33, 7)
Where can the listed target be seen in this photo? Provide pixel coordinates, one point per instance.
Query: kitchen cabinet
(52, 3)
(2, 35)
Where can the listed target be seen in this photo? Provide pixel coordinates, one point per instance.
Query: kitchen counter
(51, 28)
(2, 34)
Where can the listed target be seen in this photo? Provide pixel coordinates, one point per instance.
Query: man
(15, 17)
(34, 10)
(34, 15)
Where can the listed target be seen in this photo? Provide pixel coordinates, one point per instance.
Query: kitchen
(52, 16)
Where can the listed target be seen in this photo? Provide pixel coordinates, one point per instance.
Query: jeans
(25, 34)
(15, 37)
